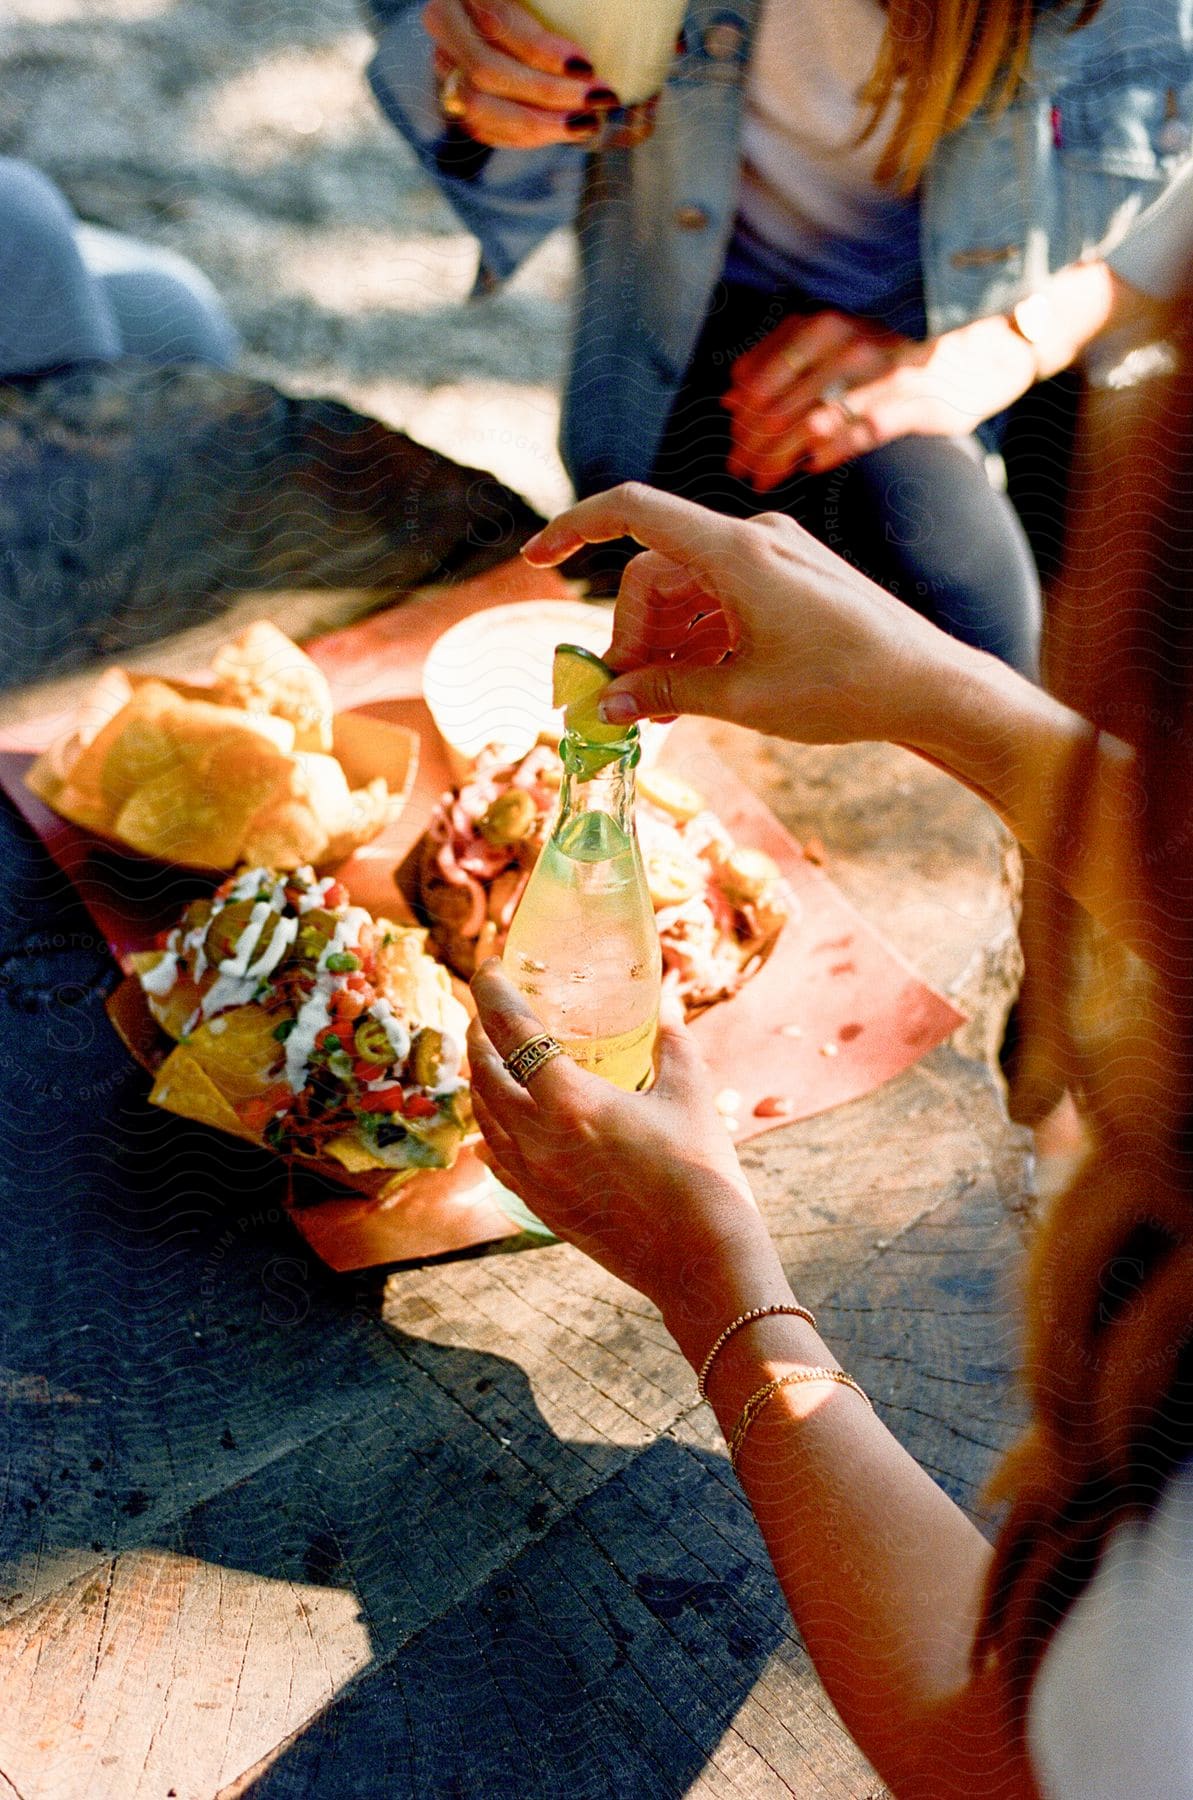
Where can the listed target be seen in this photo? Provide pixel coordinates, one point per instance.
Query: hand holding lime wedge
(578, 680)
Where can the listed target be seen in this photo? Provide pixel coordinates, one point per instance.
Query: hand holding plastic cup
(631, 45)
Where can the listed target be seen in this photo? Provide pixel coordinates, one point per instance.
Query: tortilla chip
(156, 736)
(172, 1010)
(292, 827)
(317, 819)
(177, 771)
(387, 1190)
(380, 1185)
(52, 770)
(369, 810)
(183, 1086)
(263, 672)
(238, 1050)
(197, 811)
(352, 1155)
(90, 782)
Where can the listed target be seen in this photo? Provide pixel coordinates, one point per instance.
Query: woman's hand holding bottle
(648, 1184)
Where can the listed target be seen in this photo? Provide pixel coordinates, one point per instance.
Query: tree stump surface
(462, 1528)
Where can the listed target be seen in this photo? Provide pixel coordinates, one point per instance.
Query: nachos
(301, 1022)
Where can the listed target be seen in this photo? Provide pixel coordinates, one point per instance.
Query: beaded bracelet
(746, 1318)
(758, 1400)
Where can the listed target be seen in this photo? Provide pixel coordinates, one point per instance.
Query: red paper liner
(834, 1012)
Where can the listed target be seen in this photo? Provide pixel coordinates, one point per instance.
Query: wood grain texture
(464, 1530)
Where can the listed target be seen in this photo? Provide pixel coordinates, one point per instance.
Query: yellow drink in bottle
(583, 946)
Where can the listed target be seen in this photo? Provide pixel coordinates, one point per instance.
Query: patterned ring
(528, 1058)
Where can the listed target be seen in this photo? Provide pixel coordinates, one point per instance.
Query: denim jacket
(1102, 123)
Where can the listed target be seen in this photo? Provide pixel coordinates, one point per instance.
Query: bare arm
(1015, 746)
(883, 1573)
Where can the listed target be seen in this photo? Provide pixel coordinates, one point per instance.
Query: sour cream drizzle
(450, 1080)
(250, 884)
(160, 981)
(346, 935)
(242, 954)
(313, 1015)
(395, 1031)
(316, 894)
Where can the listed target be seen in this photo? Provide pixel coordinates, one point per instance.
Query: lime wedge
(578, 680)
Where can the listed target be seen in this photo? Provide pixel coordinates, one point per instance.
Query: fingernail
(582, 122)
(619, 709)
(601, 96)
(579, 65)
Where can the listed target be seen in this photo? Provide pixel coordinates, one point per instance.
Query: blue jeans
(74, 293)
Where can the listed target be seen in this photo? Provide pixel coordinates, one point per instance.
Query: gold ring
(529, 1057)
(452, 103)
(834, 395)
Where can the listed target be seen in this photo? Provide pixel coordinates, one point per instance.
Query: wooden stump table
(464, 1530)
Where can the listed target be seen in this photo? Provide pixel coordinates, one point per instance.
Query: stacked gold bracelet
(758, 1400)
(746, 1318)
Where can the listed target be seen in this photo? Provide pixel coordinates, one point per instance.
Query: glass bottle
(583, 945)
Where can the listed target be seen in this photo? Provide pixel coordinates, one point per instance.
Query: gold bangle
(758, 1400)
(746, 1318)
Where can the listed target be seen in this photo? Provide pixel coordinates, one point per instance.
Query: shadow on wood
(460, 1530)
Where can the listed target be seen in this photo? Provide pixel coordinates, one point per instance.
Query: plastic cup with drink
(631, 45)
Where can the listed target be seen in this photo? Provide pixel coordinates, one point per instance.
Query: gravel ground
(243, 134)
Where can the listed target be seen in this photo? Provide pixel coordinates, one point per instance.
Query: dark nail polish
(579, 65)
(582, 122)
(601, 96)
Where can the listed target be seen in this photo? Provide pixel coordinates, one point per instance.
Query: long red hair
(1110, 1283)
(941, 61)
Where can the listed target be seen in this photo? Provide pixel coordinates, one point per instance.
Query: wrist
(1002, 736)
(1059, 320)
(756, 1353)
(716, 1283)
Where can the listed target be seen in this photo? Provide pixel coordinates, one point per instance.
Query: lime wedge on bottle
(578, 680)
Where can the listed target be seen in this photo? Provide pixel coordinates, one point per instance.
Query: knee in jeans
(34, 216)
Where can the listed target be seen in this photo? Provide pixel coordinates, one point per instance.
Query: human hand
(648, 1185)
(754, 621)
(520, 85)
(821, 390)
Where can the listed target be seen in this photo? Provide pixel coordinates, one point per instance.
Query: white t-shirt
(1157, 252)
(1111, 1712)
(808, 190)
